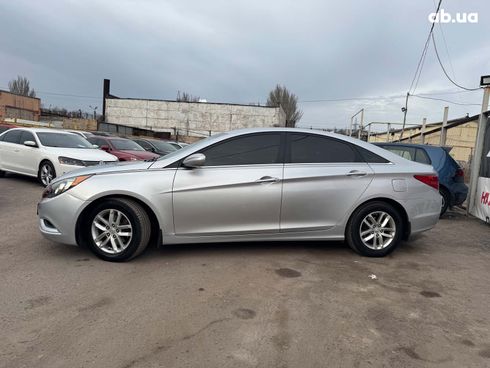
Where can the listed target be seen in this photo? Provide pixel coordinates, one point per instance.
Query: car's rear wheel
(46, 173)
(2, 174)
(118, 230)
(445, 200)
(374, 229)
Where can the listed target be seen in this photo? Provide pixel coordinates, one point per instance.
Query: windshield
(164, 146)
(65, 140)
(126, 145)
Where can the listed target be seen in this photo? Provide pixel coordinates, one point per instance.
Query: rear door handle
(267, 179)
(356, 173)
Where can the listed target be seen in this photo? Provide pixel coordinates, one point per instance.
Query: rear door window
(422, 156)
(311, 148)
(405, 152)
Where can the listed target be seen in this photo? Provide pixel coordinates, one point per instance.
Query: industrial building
(13, 106)
(183, 119)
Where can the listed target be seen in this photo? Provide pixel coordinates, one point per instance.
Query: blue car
(451, 176)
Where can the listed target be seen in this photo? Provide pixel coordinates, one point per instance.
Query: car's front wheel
(375, 229)
(118, 229)
(46, 173)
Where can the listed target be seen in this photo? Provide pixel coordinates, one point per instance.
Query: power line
(441, 99)
(445, 72)
(420, 64)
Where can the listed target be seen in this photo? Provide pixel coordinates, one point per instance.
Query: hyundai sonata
(246, 185)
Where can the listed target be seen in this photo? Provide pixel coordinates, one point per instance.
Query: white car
(47, 153)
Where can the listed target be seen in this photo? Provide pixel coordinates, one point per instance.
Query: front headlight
(62, 186)
(70, 161)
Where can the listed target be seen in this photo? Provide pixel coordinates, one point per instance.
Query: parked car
(81, 133)
(124, 149)
(246, 185)
(179, 145)
(4, 127)
(157, 146)
(46, 153)
(451, 176)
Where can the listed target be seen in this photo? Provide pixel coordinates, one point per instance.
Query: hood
(143, 155)
(123, 166)
(84, 154)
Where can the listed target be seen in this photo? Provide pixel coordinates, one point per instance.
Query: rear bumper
(58, 217)
(423, 213)
(459, 192)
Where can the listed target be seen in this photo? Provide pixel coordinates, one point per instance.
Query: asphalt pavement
(289, 304)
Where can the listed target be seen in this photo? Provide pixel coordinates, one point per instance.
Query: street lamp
(95, 111)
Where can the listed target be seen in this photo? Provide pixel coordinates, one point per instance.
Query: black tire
(2, 174)
(141, 229)
(445, 200)
(50, 167)
(353, 236)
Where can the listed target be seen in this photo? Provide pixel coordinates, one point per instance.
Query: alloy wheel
(377, 230)
(111, 231)
(47, 174)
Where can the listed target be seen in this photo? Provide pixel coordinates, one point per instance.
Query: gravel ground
(295, 304)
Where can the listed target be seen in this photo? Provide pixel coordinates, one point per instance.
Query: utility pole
(404, 110)
(442, 140)
(476, 161)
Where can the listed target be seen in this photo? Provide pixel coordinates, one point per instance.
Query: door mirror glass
(195, 160)
(30, 144)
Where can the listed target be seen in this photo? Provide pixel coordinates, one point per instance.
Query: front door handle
(267, 179)
(356, 173)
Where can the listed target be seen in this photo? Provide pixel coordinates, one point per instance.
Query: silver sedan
(246, 185)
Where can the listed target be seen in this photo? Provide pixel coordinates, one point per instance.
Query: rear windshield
(126, 145)
(63, 140)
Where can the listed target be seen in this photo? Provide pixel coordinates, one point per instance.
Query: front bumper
(58, 217)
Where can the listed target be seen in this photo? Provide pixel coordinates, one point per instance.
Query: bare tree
(186, 97)
(21, 86)
(280, 96)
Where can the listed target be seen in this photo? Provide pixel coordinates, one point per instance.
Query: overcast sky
(236, 51)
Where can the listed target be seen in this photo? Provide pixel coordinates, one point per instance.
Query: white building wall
(196, 117)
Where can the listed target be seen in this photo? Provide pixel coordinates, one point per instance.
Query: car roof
(42, 130)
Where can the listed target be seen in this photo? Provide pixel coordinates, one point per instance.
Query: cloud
(236, 51)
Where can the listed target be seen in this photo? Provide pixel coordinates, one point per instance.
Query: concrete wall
(21, 107)
(197, 118)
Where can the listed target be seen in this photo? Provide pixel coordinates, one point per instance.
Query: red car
(124, 149)
(4, 127)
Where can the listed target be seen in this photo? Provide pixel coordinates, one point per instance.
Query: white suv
(46, 153)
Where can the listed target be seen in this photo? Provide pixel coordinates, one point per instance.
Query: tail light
(430, 180)
(459, 173)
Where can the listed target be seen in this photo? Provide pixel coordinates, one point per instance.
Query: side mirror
(152, 149)
(30, 144)
(104, 148)
(195, 160)
(95, 146)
